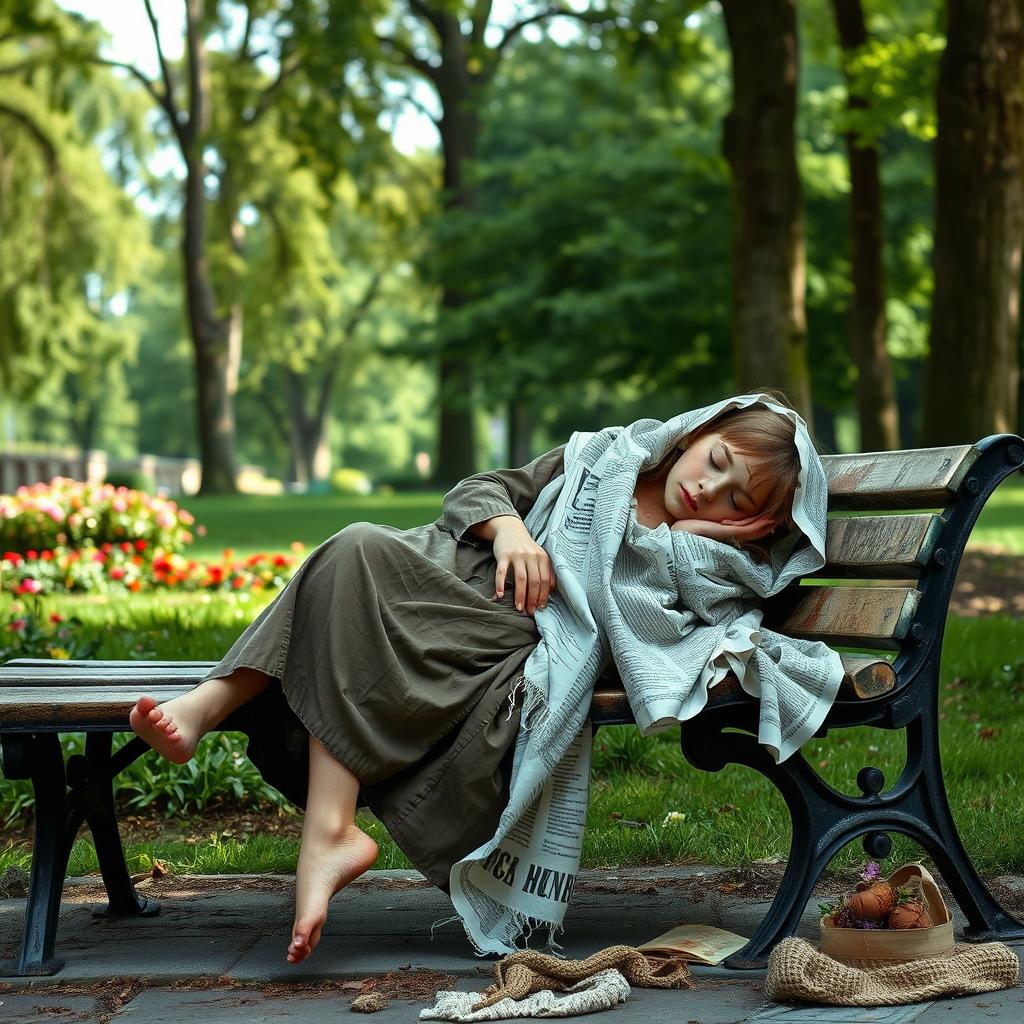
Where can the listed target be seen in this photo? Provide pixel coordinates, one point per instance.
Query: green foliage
(27, 630)
(350, 481)
(219, 772)
(601, 200)
(133, 480)
(70, 238)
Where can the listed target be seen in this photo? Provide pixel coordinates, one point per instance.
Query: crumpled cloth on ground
(797, 972)
(601, 991)
(525, 982)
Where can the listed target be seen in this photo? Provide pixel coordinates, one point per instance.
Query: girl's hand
(728, 530)
(532, 572)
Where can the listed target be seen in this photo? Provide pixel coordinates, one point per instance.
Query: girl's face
(711, 481)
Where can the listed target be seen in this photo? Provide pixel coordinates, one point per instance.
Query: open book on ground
(698, 943)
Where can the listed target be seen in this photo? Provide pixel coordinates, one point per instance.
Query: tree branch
(45, 143)
(428, 14)
(409, 98)
(197, 110)
(481, 15)
(286, 67)
(169, 105)
(159, 98)
(243, 49)
(410, 59)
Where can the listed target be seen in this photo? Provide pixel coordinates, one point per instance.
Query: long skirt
(387, 647)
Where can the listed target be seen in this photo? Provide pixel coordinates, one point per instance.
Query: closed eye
(732, 497)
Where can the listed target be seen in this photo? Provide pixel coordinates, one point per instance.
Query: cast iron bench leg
(39, 757)
(91, 781)
(825, 820)
(927, 801)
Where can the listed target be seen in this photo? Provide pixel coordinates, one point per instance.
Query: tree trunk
(520, 427)
(460, 140)
(310, 436)
(217, 344)
(973, 369)
(769, 322)
(876, 401)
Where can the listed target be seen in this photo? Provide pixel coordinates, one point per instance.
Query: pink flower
(29, 586)
(17, 625)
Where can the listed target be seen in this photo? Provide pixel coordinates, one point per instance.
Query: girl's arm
(489, 508)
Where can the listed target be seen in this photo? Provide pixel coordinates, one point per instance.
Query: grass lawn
(272, 523)
(732, 817)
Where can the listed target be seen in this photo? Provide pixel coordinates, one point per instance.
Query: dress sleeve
(500, 492)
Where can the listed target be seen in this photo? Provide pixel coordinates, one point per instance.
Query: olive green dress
(387, 646)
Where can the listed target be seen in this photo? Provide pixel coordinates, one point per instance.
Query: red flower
(28, 586)
(117, 572)
(134, 585)
(108, 547)
(237, 582)
(140, 545)
(125, 547)
(216, 573)
(99, 556)
(281, 560)
(56, 617)
(31, 555)
(13, 557)
(16, 625)
(46, 556)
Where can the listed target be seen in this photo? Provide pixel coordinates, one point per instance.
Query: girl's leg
(175, 727)
(334, 849)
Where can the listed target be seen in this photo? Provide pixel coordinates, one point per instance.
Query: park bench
(913, 513)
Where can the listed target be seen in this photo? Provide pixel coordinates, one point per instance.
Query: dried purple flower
(871, 871)
(847, 919)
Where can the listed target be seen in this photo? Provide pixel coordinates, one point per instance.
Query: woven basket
(849, 944)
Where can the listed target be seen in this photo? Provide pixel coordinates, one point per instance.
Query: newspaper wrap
(676, 612)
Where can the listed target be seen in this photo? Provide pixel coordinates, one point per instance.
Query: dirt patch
(990, 581)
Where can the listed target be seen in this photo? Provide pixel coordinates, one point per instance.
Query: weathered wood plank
(883, 547)
(877, 617)
(34, 663)
(73, 708)
(866, 676)
(54, 673)
(920, 478)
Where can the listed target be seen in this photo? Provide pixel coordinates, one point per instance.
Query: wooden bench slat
(852, 616)
(919, 478)
(882, 547)
(38, 663)
(54, 675)
(74, 708)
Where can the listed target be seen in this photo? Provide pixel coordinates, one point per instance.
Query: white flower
(672, 817)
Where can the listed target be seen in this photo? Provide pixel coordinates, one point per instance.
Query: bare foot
(170, 729)
(325, 867)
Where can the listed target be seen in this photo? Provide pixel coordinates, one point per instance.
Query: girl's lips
(688, 499)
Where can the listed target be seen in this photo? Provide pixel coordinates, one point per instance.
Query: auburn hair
(768, 439)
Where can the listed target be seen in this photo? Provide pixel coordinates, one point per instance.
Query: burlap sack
(797, 972)
(528, 970)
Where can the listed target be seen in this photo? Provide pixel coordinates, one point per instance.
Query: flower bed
(124, 568)
(66, 513)
(70, 537)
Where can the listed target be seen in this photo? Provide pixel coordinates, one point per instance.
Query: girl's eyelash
(732, 497)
